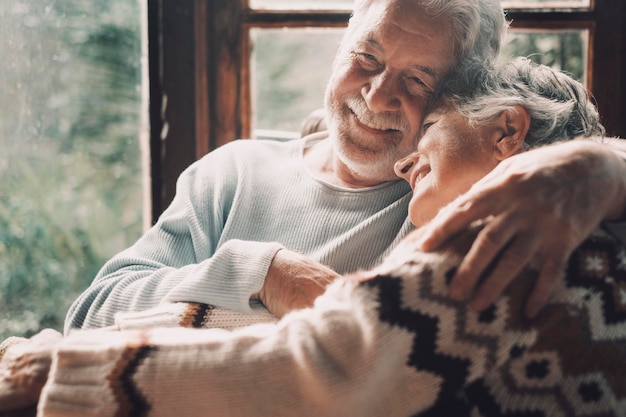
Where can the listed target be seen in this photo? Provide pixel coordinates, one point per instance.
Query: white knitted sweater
(394, 345)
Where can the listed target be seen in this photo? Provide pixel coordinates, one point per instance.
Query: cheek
(333, 88)
(347, 75)
(460, 158)
(339, 86)
(440, 188)
(414, 113)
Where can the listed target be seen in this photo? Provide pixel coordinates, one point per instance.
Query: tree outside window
(70, 195)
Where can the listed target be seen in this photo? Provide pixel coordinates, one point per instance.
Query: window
(71, 191)
(213, 74)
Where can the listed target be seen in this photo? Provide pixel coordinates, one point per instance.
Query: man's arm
(543, 204)
(183, 257)
(219, 238)
(293, 282)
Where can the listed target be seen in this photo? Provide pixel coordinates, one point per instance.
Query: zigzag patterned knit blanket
(569, 361)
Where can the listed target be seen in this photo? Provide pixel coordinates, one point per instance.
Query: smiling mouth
(419, 175)
(373, 127)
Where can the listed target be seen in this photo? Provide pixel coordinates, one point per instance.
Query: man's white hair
(479, 26)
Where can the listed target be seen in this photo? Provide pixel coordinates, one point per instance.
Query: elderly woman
(389, 341)
(480, 118)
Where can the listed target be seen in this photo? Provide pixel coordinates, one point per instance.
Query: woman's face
(451, 156)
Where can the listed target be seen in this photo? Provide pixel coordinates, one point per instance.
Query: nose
(402, 168)
(381, 93)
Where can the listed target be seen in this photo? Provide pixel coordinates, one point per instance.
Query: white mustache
(380, 121)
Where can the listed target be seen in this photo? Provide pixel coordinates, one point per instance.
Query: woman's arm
(337, 358)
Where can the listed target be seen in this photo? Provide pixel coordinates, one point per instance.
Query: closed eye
(417, 80)
(366, 60)
(416, 86)
(368, 56)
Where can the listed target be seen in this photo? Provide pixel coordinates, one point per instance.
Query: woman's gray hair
(479, 26)
(559, 106)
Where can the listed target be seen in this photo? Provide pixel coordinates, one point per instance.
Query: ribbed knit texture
(233, 210)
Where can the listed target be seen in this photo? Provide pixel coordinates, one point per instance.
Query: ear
(513, 125)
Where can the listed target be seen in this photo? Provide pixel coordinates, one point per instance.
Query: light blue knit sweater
(233, 210)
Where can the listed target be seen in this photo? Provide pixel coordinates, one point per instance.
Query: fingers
(511, 262)
(532, 210)
(24, 370)
(551, 274)
(496, 248)
(483, 251)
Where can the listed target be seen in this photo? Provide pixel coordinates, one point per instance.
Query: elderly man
(257, 225)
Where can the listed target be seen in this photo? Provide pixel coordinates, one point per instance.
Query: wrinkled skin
(293, 282)
(24, 371)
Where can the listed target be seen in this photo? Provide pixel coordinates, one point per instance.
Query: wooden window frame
(199, 72)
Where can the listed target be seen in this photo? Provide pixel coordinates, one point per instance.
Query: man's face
(451, 156)
(385, 71)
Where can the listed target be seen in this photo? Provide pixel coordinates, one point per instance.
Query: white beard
(370, 164)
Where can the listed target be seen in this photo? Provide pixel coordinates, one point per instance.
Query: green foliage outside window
(70, 195)
(563, 50)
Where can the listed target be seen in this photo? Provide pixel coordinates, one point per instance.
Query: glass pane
(291, 68)
(71, 192)
(302, 4)
(565, 50)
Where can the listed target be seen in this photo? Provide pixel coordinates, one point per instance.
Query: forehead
(449, 123)
(405, 34)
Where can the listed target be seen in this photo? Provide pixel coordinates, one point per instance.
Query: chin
(416, 215)
(371, 164)
(420, 211)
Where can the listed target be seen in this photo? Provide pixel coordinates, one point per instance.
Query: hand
(293, 282)
(24, 370)
(542, 204)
